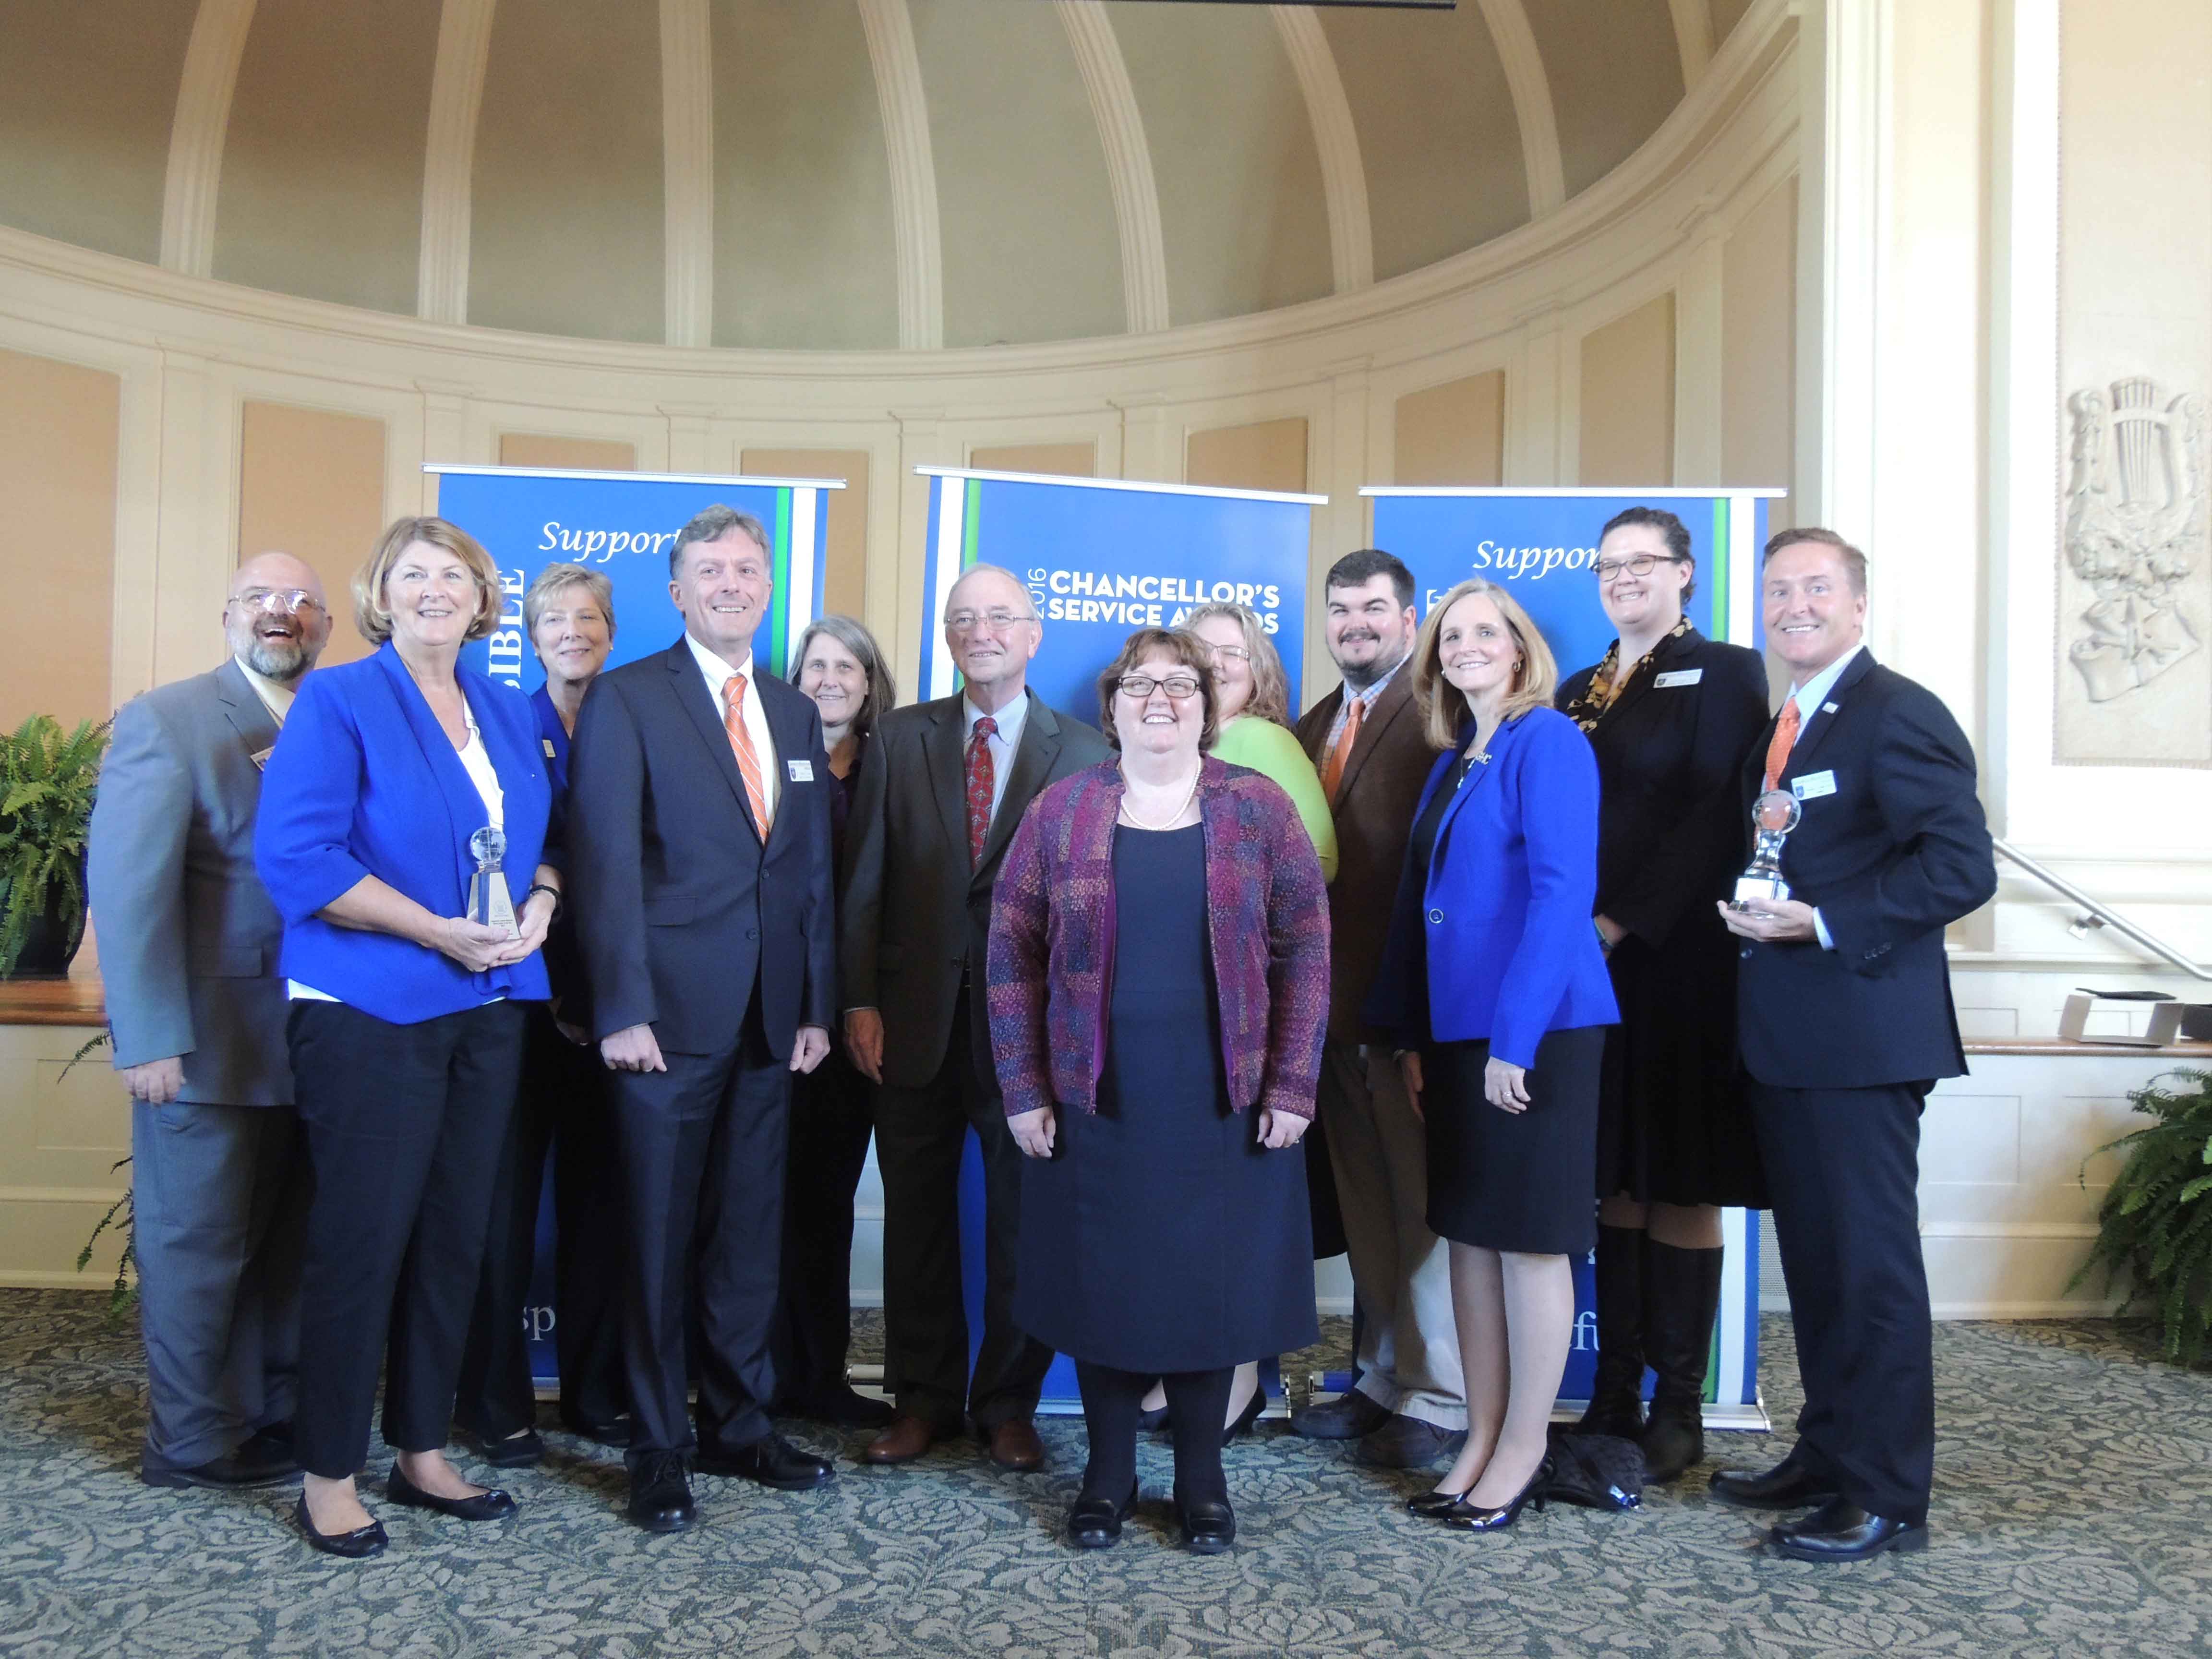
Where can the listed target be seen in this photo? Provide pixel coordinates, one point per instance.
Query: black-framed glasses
(1177, 686)
(1638, 564)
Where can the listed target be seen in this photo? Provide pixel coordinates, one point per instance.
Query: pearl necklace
(1181, 808)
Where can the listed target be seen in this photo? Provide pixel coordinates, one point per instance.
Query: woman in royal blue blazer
(1494, 981)
(406, 1026)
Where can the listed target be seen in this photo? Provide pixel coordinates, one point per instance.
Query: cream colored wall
(845, 533)
(1627, 433)
(1076, 460)
(1758, 349)
(311, 484)
(1452, 433)
(59, 430)
(1263, 455)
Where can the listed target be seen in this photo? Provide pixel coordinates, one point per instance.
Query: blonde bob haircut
(1271, 686)
(557, 579)
(1444, 705)
(373, 617)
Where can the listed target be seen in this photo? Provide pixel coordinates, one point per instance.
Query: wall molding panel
(1510, 32)
(916, 233)
(196, 133)
(1693, 38)
(456, 83)
(1343, 175)
(687, 123)
(1129, 162)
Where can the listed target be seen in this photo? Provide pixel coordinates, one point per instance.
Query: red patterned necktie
(982, 778)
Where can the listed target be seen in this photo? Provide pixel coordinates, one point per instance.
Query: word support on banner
(624, 526)
(1101, 557)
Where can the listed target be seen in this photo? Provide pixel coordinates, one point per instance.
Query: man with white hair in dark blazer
(1845, 1024)
(188, 948)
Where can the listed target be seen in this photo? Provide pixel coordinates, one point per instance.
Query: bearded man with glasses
(941, 789)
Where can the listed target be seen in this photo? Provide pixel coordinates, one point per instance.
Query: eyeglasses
(967, 622)
(1234, 653)
(1642, 564)
(1177, 686)
(283, 601)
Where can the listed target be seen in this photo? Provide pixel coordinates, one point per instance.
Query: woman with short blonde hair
(1444, 705)
(372, 612)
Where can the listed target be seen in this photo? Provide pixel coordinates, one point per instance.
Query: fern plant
(2155, 1224)
(123, 1294)
(47, 781)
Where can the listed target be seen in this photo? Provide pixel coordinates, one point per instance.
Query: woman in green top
(1253, 695)
(1252, 699)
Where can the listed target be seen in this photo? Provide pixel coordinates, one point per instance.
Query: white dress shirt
(276, 698)
(1002, 743)
(718, 674)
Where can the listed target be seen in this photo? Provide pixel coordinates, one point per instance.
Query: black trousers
(402, 1127)
(1843, 1171)
(560, 1109)
(920, 1136)
(703, 1148)
(831, 1118)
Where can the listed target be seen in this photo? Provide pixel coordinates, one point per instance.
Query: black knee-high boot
(1616, 1405)
(1681, 1295)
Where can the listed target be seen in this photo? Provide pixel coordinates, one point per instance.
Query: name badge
(1830, 708)
(260, 757)
(548, 742)
(1679, 676)
(1813, 785)
(800, 771)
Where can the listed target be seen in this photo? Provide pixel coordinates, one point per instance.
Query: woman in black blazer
(1671, 715)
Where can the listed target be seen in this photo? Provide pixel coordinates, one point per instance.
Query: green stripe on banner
(779, 605)
(1720, 563)
(973, 517)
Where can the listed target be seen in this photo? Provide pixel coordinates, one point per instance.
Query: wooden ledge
(2186, 1053)
(76, 1000)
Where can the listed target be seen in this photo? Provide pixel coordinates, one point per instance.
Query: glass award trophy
(1773, 816)
(489, 902)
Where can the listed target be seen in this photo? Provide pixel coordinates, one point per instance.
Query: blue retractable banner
(1103, 557)
(1541, 544)
(622, 525)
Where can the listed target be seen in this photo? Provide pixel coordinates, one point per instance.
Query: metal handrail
(2096, 915)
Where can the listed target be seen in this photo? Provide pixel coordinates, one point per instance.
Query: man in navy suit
(1845, 1024)
(698, 826)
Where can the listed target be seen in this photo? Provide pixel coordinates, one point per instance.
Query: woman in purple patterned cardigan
(1158, 986)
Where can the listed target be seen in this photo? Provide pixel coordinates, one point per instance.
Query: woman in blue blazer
(1494, 981)
(406, 1026)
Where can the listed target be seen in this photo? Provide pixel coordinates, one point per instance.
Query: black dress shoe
(1474, 1517)
(771, 1461)
(355, 1546)
(1151, 1422)
(1351, 1416)
(1240, 1424)
(1408, 1442)
(1841, 1531)
(1434, 1502)
(1789, 1485)
(615, 1431)
(254, 1464)
(844, 1407)
(490, 1505)
(660, 1495)
(514, 1451)
(1094, 1523)
(1209, 1525)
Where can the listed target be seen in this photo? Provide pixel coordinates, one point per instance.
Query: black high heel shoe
(1435, 1503)
(1242, 1424)
(1470, 1517)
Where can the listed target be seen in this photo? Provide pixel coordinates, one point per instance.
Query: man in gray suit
(941, 788)
(188, 948)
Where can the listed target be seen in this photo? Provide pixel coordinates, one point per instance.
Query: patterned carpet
(2073, 1491)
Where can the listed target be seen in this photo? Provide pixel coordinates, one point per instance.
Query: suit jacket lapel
(464, 806)
(941, 756)
(1663, 655)
(1810, 735)
(689, 686)
(1501, 743)
(788, 727)
(1033, 760)
(1323, 716)
(1391, 706)
(243, 707)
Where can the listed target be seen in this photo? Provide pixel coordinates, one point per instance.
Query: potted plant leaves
(2155, 1224)
(47, 781)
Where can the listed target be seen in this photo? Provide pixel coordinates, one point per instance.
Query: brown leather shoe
(1015, 1445)
(906, 1439)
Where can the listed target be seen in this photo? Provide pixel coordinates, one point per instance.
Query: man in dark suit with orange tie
(699, 836)
(1845, 1024)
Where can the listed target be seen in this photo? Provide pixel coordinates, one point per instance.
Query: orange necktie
(1332, 775)
(733, 722)
(1785, 737)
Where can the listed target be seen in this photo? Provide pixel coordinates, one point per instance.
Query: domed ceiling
(821, 174)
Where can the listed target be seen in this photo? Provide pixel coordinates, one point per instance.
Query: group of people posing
(1444, 975)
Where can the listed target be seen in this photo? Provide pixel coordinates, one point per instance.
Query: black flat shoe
(660, 1495)
(355, 1546)
(1094, 1523)
(1842, 1531)
(516, 1451)
(1242, 1424)
(491, 1505)
(773, 1462)
(1787, 1486)
(1209, 1526)
(1151, 1422)
(1471, 1517)
(1439, 1502)
(255, 1464)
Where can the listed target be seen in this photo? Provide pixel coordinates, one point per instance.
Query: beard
(1360, 676)
(275, 657)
